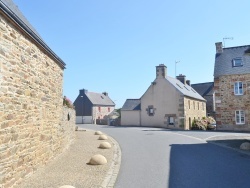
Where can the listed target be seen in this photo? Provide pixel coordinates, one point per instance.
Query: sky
(114, 45)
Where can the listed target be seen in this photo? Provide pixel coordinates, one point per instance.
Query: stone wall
(227, 102)
(32, 127)
(194, 109)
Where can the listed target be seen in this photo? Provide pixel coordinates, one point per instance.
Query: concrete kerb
(112, 174)
(216, 138)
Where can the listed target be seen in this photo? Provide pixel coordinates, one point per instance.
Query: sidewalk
(71, 168)
(231, 142)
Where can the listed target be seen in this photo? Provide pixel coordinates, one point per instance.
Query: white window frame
(237, 89)
(239, 117)
(171, 120)
(236, 60)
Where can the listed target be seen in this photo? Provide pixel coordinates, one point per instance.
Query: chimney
(161, 71)
(83, 91)
(188, 82)
(219, 47)
(105, 93)
(182, 78)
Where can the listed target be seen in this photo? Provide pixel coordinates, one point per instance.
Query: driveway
(154, 157)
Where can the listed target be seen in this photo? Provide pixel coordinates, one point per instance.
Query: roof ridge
(237, 47)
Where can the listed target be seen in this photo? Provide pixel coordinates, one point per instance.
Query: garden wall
(34, 125)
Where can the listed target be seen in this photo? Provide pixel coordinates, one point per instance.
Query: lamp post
(82, 108)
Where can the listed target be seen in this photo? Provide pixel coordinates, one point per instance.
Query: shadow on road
(207, 165)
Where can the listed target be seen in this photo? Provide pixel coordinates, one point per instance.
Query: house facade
(206, 90)
(93, 107)
(232, 87)
(168, 103)
(33, 122)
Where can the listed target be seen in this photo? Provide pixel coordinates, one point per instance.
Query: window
(238, 88)
(99, 109)
(198, 105)
(240, 117)
(202, 106)
(151, 110)
(189, 104)
(237, 62)
(171, 120)
(108, 109)
(194, 105)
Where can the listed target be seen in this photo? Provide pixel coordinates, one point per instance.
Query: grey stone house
(206, 90)
(93, 107)
(232, 87)
(168, 103)
(31, 99)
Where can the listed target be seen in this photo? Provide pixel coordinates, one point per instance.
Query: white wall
(130, 118)
(84, 120)
(165, 99)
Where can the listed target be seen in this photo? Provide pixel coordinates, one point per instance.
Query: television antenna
(175, 66)
(226, 38)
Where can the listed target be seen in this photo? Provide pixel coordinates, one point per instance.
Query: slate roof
(224, 61)
(204, 88)
(9, 8)
(99, 99)
(132, 104)
(184, 89)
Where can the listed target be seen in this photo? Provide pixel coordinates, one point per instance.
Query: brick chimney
(161, 71)
(182, 78)
(219, 47)
(83, 91)
(105, 93)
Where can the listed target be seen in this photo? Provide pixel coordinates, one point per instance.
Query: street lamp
(82, 108)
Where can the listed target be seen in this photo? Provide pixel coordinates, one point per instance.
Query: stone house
(33, 123)
(232, 87)
(93, 107)
(206, 90)
(168, 103)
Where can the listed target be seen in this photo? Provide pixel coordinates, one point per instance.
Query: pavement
(71, 167)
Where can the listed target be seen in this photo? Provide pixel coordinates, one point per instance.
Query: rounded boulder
(103, 137)
(66, 186)
(98, 133)
(245, 146)
(105, 145)
(98, 160)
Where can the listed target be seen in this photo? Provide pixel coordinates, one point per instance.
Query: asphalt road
(157, 158)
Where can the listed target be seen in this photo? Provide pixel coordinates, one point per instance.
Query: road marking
(189, 136)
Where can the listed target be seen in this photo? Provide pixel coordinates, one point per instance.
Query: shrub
(67, 102)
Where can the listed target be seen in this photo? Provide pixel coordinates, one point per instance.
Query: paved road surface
(157, 158)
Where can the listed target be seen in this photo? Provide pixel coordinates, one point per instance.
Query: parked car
(211, 126)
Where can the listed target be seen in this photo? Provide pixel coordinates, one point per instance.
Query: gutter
(30, 33)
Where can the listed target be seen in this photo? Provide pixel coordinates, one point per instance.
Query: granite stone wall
(34, 125)
(227, 102)
(194, 109)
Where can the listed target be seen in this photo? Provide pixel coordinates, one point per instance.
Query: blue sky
(114, 45)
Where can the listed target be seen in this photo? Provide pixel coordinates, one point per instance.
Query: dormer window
(237, 62)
